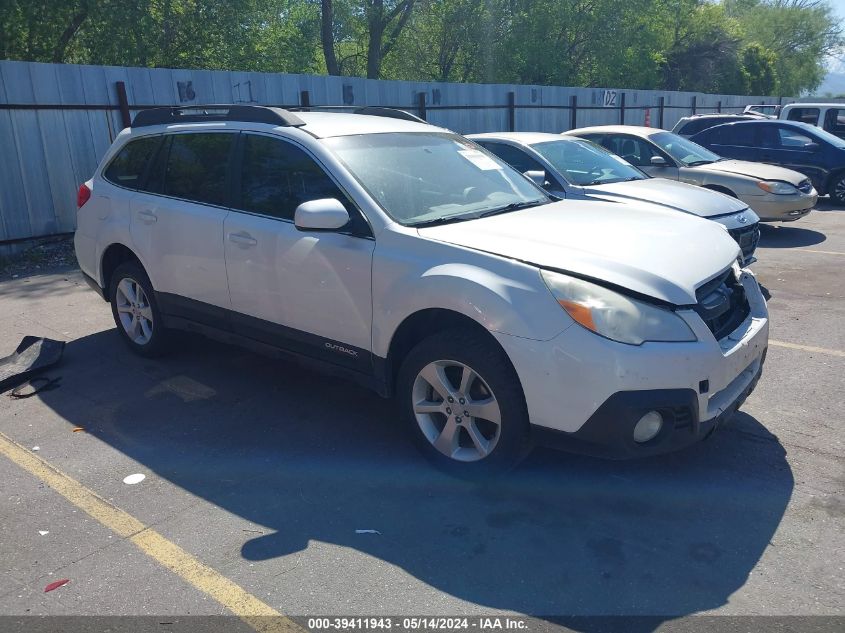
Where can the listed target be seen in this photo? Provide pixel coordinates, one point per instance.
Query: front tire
(463, 405)
(135, 310)
(837, 189)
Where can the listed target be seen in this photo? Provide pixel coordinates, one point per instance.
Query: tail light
(83, 195)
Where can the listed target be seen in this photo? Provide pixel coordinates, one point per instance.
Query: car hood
(760, 171)
(652, 251)
(680, 196)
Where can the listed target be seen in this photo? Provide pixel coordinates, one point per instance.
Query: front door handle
(147, 216)
(243, 239)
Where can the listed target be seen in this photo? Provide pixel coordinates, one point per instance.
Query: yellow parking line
(808, 348)
(250, 609)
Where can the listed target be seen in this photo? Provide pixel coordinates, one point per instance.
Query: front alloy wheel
(456, 411)
(462, 403)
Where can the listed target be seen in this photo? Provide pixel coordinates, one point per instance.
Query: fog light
(648, 427)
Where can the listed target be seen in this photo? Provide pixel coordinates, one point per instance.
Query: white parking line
(808, 348)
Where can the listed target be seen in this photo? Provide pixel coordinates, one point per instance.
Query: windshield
(585, 163)
(433, 177)
(683, 150)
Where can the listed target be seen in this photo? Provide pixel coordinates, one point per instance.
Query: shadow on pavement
(788, 236)
(315, 458)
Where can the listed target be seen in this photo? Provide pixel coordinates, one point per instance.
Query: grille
(722, 304)
(805, 186)
(747, 238)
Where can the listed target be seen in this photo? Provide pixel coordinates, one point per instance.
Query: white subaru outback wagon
(405, 257)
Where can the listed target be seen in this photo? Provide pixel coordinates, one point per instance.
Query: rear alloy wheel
(837, 191)
(135, 310)
(463, 403)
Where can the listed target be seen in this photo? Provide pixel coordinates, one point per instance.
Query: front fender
(500, 294)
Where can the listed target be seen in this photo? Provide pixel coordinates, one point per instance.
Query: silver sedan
(775, 193)
(576, 168)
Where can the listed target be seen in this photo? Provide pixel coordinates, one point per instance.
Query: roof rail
(222, 112)
(391, 113)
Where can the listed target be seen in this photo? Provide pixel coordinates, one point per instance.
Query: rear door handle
(243, 239)
(147, 216)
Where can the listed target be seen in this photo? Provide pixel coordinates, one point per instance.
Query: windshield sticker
(479, 159)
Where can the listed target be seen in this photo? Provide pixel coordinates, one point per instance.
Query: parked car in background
(828, 116)
(767, 110)
(774, 193)
(569, 167)
(406, 258)
(804, 148)
(689, 125)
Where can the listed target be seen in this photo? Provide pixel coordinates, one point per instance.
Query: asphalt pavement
(268, 485)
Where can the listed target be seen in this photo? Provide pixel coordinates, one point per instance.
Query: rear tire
(463, 405)
(135, 310)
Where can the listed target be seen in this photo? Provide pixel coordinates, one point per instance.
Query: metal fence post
(694, 104)
(304, 99)
(123, 102)
(719, 106)
(661, 106)
(421, 105)
(512, 111)
(622, 109)
(573, 112)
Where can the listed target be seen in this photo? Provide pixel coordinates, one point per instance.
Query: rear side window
(734, 135)
(127, 168)
(276, 177)
(805, 115)
(197, 167)
(693, 126)
(514, 157)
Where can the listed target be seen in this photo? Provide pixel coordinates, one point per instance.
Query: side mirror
(812, 147)
(537, 177)
(327, 214)
(658, 161)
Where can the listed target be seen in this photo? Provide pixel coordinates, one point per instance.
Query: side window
(693, 126)
(733, 135)
(634, 150)
(127, 168)
(514, 156)
(791, 139)
(197, 167)
(277, 176)
(834, 121)
(805, 115)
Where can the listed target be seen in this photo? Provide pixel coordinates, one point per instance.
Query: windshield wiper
(447, 220)
(697, 163)
(513, 206)
(611, 181)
